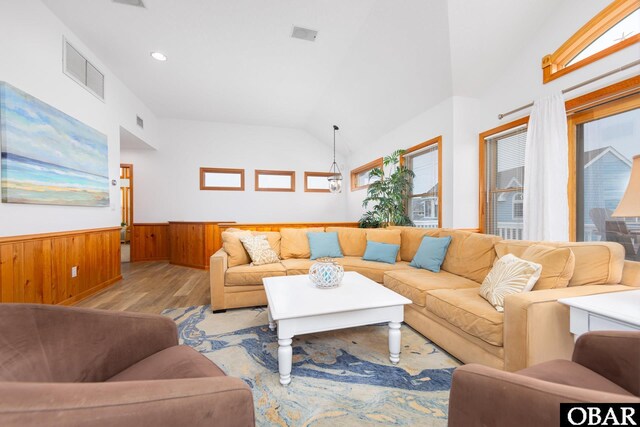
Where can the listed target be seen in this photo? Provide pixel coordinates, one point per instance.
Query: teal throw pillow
(381, 252)
(324, 245)
(431, 253)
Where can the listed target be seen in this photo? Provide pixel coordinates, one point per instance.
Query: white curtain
(546, 171)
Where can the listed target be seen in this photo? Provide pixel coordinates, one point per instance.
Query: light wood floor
(150, 287)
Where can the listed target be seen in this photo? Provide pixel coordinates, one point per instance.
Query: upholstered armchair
(65, 366)
(605, 368)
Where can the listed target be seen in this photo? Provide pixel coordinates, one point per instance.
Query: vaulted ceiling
(374, 65)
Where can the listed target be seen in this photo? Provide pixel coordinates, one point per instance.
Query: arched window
(517, 206)
(614, 28)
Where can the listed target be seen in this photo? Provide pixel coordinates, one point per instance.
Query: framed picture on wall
(48, 157)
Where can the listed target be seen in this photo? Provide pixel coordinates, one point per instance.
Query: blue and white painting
(49, 157)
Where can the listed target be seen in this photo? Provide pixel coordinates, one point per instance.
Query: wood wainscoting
(38, 268)
(150, 242)
(191, 244)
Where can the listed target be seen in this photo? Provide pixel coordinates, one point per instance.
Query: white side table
(614, 311)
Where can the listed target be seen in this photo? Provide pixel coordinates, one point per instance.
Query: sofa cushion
(431, 253)
(323, 245)
(557, 265)
(232, 245)
(414, 283)
(596, 263)
(381, 252)
(353, 241)
(273, 237)
(296, 266)
(572, 374)
(411, 237)
(385, 235)
(259, 250)
(294, 242)
(470, 255)
(171, 363)
(467, 310)
(243, 275)
(372, 269)
(509, 275)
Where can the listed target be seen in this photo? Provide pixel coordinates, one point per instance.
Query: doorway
(126, 203)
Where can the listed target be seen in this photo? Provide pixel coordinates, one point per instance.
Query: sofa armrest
(483, 396)
(631, 274)
(77, 344)
(219, 401)
(217, 271)
(536, 325)
(613, 354)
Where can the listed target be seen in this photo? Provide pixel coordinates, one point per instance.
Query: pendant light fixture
(335, 179)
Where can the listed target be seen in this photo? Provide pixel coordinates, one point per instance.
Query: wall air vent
(136, 3)
(83, 72)
(304, 34)
(140, 122)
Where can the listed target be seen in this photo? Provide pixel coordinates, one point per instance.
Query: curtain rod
(579, 85)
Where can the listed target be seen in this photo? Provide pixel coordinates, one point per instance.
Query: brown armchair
(605, 368)
(65, 366)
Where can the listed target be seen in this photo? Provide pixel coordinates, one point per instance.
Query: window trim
(291, 174)
(314, 174)
(555, 65)
(377, 163)
(423, 145)
(204, 171)
(482, 151)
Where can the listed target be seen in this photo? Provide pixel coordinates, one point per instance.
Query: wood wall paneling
(193, 243)
(37, 268)
(150, 242)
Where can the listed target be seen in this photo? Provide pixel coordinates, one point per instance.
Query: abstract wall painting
(48, 157)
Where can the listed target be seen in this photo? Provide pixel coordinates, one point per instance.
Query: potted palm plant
(388, 194)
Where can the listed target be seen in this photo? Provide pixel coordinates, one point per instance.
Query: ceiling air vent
(140, 122)
(83, 72)
(136, 3)
(304, 34)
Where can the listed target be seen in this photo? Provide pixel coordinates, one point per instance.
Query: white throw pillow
(509, 275)
(259, 250)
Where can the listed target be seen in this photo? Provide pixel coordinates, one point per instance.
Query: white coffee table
(298, 307)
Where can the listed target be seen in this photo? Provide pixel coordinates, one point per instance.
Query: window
(502, 179)
(616, 27)
(222, 179)
(516, 207)
(605, 139)
(316, 182)
(82, 71)
(267, 180)
(424, 201)
(360, 176)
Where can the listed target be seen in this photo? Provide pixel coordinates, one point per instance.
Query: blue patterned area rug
(339, 378)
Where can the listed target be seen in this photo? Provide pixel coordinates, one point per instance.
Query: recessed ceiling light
(159, 56)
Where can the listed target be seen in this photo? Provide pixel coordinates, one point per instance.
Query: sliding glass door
(606, 139)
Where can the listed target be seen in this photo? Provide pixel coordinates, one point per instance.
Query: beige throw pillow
(509, 275)
(233, 247)
(259, 250)
(557, 265)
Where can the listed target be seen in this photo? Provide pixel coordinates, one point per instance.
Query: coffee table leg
(272, 324)
(285, 354)
(394, 342)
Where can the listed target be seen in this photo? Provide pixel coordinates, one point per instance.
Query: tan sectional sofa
(447, 307)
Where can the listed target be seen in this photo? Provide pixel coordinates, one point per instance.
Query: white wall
(31, 60)
(461, 119)
(166, 181)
